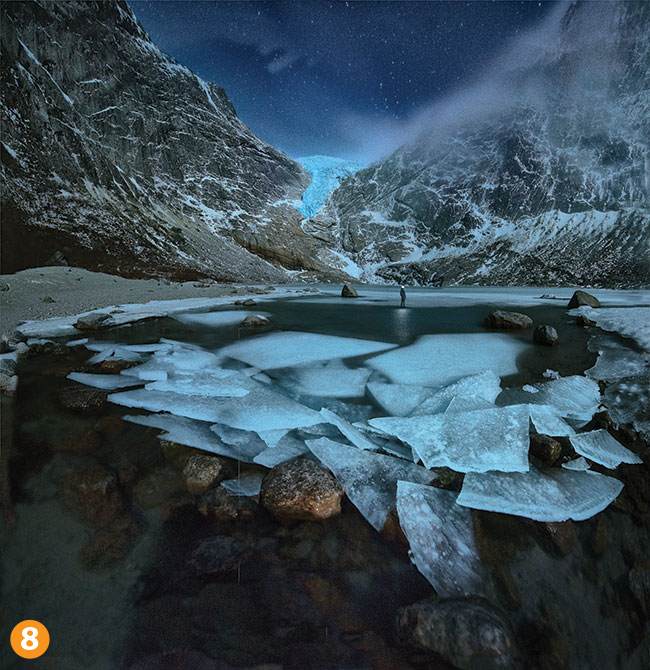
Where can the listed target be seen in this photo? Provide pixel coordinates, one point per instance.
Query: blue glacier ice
(326, 173)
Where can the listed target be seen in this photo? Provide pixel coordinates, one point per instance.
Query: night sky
(311, 77)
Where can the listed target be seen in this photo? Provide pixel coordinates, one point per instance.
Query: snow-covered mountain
(540, 174)
(123, 160)
(326, 173)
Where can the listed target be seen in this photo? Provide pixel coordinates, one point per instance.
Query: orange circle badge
(30, 639)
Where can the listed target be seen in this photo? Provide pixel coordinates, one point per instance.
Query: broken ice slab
(205, 383)
(441, 536)
(437, 360)
(556, 495)
(398, 399)
(467, 404)
(288, 448)
(288, 349)
(180, 360)
(368, 479)
(632, 322)
(485, 385)
(245, 485)
(325, 381)
(355, 436)
(547, 421)
(106, 382)
(599, 446)
(244, 439)
(476, 441)
(216, 319)
(575, 397)
(115, 353)
(261, 409)
(195, 434)
(272, 437)
(576, 464)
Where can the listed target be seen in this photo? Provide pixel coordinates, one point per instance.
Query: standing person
(402, 295)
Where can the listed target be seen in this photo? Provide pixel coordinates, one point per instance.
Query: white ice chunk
(106, 382)
(436, 360)
(246, 485)
(272, 437)
(192, 433)
(115, 353)
(355, 436)
(486, 385)
(216, 319)
(76, 343)
(325, 381)
(575, 397)
(577, 464)
(632, 322)
(476, 441)
(547, 421)
(179, 360)
(558, 495)
(287, 449)
(599, 446)
(203, 383)
(287, 349)
(368, 479)
(529, 388)
(441, 536)
(398, 399)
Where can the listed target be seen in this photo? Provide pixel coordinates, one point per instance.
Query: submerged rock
(545, 335)
(203, 472)
(301, 489)
(255, 321)
(83, 442)
(216, 555)
(218, 503)
(581, 298)
(93, 492)
(466, 633)
(545, 448)
(349, 292)
(508, 320)
(110, 545)
(92, 321)
(83, 398)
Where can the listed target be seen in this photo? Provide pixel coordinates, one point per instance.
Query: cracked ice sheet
(193, 433)
(632, 322)
(180, 359)
(288, 349)
(398, 399)
(246, 485)
(205, 383)
(485, 385)
(441, 536)
(355, 436)
(476, 441)
(547, 421)
(575, 397)
(288, 448)
(328, 381)
(599, 446)
(368, 479)
(438, 360)
(217, 319)
(261, 409)
(106, 382)
(558, 495)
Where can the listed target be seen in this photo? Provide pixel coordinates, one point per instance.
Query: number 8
(29, 637)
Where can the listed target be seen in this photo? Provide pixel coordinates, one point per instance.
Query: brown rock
(506, 587)
(583, 321)
(93, 321)
(557, 537)
(599, 541)
(83, 399)
(249, 302)
(114, 367)
(301, 489)
(545, 448)
(93, 492)
(508, 320)
(202, 472)
(349, 292)
(254, 321)
(218, 503)
(217, 555)
(546, 335)
(157, 487)
(466, 633)
(581, 298)
(84, 442)
(110, 545)
(639, 580)
(110, 425)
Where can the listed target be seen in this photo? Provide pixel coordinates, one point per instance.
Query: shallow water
(307, 594)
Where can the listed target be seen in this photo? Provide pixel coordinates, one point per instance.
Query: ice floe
(115, 353)
(599, 446)
(437, 360)
(205, 383)
(547, 421)
(355, 436)
(556, 495)
(632, 322)
(106, 382)
(398, 399)
(441, 537)
(216, 319)
(368, 479)
(288, 349)
(325, 381)
(476, 441)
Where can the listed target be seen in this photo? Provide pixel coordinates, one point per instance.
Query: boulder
(546, 335)
(349, 292)
(301, 489)
(508, 320)
(580, 298)
(114, 366)
(254, 321)
(218, 503)
(466, 633)
(545, 448)
(217, 555)
(93, 321)
(202, 472)
(583, 321)
(83, 398)
(249, 302)
(93, 493)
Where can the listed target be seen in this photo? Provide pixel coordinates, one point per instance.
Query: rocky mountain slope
(538, 175)
(122, 160)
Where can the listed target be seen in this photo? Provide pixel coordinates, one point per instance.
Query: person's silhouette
(402, 295)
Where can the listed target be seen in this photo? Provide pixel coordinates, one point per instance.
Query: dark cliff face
(546, 182)
(125, 161)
